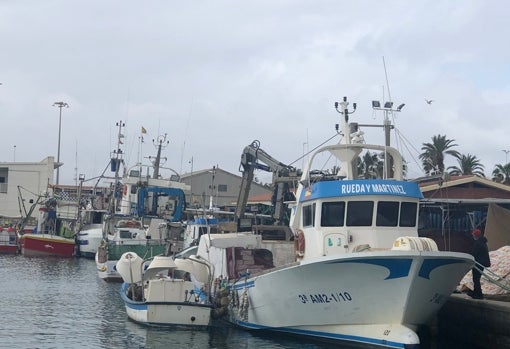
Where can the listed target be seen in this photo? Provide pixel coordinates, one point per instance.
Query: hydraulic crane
(254, 158)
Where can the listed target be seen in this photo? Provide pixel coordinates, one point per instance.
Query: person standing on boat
(481, 254)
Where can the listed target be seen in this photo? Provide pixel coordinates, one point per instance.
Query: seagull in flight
(429, 101)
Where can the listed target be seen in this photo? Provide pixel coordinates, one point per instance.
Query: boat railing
(347, 154)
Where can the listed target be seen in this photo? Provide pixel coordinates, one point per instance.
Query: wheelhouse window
(126, 234)
(309, 215)
(387, 214)
(408, 211)
(359, 213)
(333, 214)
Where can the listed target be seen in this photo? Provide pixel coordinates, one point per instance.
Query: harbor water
(62, 303)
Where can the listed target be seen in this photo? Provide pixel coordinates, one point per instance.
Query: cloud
(214, 76)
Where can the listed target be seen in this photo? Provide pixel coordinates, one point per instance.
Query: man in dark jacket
(481, 254)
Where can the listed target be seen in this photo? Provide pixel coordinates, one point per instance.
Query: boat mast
(345, 125)
(116, 160)
(346, 158)
(157, 162)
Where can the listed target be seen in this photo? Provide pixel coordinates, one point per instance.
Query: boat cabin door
(335, 243)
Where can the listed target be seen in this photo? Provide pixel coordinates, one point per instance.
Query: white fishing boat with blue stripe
(164, 291)
(358, 270)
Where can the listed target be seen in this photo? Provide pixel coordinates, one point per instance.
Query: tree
(468, 165)
(434, 153)
(370, 166)
(501, 173)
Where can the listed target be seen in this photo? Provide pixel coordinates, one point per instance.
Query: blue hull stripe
(431, 264)
(398, 267)
(243, 285)
(335, 336)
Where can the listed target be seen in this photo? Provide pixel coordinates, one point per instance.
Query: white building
(29, 178)
(216, 185)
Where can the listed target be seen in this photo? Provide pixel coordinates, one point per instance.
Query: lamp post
(59, 105)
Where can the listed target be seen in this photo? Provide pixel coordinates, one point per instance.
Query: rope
(492, 277)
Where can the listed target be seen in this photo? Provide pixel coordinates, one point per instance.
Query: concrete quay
(478, 323)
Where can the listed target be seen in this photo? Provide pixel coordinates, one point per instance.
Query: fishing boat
(54, 234)
(198, 226)
(357, 270)
(167, 292)
(89, 232)
(127, 234)
(8, 241)
(146, 218)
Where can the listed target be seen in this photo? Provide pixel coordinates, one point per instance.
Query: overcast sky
(216, 75)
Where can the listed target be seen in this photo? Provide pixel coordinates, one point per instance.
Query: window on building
(222, 187)
(3, 184)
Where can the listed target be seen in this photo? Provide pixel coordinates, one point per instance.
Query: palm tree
(468, 165)
(370, 166)
(501, 173)
(433, 154)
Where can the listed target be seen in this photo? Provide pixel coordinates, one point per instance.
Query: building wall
(223, 186)
(32, 178)
(468, 193)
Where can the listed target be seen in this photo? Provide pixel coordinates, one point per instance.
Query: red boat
(46, 245)
(8, 241)
(53, 235)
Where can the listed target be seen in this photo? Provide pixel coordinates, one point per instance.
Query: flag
(144, 130)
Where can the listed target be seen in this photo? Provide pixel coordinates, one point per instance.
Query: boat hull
(166, 313)
(376, 298)
(8, 248)
(8, 241)
(46, 245)
(88, 241)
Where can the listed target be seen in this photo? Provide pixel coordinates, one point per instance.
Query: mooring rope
(492, 277)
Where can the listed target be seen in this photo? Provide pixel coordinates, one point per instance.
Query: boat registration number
(334, 297)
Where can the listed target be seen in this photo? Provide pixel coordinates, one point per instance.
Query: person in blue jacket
(481, 254)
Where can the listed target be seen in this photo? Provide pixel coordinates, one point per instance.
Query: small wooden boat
(54, 233)
(8, 241)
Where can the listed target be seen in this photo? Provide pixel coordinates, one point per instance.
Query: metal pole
(506, 155)
(59, 132)
(387, 159)
(191, 182)
(59, 105)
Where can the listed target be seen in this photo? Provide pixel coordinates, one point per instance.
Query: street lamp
(59, 105)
